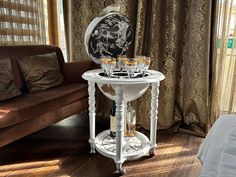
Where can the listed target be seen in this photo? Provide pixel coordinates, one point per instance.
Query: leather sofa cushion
(17, 51)
(28, 106)
(41, 72)
(7, 85)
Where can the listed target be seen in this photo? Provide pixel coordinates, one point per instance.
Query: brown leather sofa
(30, 112)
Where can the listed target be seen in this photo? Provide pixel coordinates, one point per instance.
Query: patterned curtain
(224, 78)
(176, 35)
(22, 22)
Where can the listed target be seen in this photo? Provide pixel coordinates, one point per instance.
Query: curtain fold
(224, 64)
(177, 38)
(52, 6)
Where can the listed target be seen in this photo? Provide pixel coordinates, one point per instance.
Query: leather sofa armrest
(73, 71)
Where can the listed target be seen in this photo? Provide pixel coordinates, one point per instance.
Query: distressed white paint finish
(154, 112)
(119, 126)
(91, 91)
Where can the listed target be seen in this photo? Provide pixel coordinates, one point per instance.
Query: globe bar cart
(122, 90)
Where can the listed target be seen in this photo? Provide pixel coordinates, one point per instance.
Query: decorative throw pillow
(41, 71)
(7, 85)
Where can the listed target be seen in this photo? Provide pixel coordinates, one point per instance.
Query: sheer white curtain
(22, 22)
(224, 71)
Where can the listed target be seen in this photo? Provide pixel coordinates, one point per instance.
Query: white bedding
(217, 153)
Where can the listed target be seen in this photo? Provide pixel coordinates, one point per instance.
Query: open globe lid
(108, 35)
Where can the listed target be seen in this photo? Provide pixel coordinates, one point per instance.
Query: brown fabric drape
(53, 22)
(176, 35)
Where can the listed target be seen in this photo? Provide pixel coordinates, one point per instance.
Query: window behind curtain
(22, 22)
(227, 54)
(224, 61)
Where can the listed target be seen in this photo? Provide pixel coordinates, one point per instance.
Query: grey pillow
(7, 85)
(41, 72)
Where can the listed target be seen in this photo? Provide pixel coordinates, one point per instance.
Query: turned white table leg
(119, 128)
(91, 90)
(153, 121)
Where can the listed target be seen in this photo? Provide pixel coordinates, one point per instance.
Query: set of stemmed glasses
(139, 64)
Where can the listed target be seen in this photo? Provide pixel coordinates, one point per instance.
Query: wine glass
(121, 62)
(130, 66)
(104, 61)
(144, 65)
(110, 66)
(140, 62)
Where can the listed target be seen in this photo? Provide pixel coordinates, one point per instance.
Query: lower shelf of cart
(133, 147)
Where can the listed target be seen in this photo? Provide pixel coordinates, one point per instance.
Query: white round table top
(93, 76)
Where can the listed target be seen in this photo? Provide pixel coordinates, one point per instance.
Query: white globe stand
(123, 90)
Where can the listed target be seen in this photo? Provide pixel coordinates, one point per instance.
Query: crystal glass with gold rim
(143, 64)
(110, 66)
(103, 62)
(121, 62)
(130, 66)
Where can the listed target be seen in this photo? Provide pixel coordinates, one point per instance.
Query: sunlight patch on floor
(172, 150)
(33, 168)
(164, 162)
(165, 169)
(34, 171)
(29, 165)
